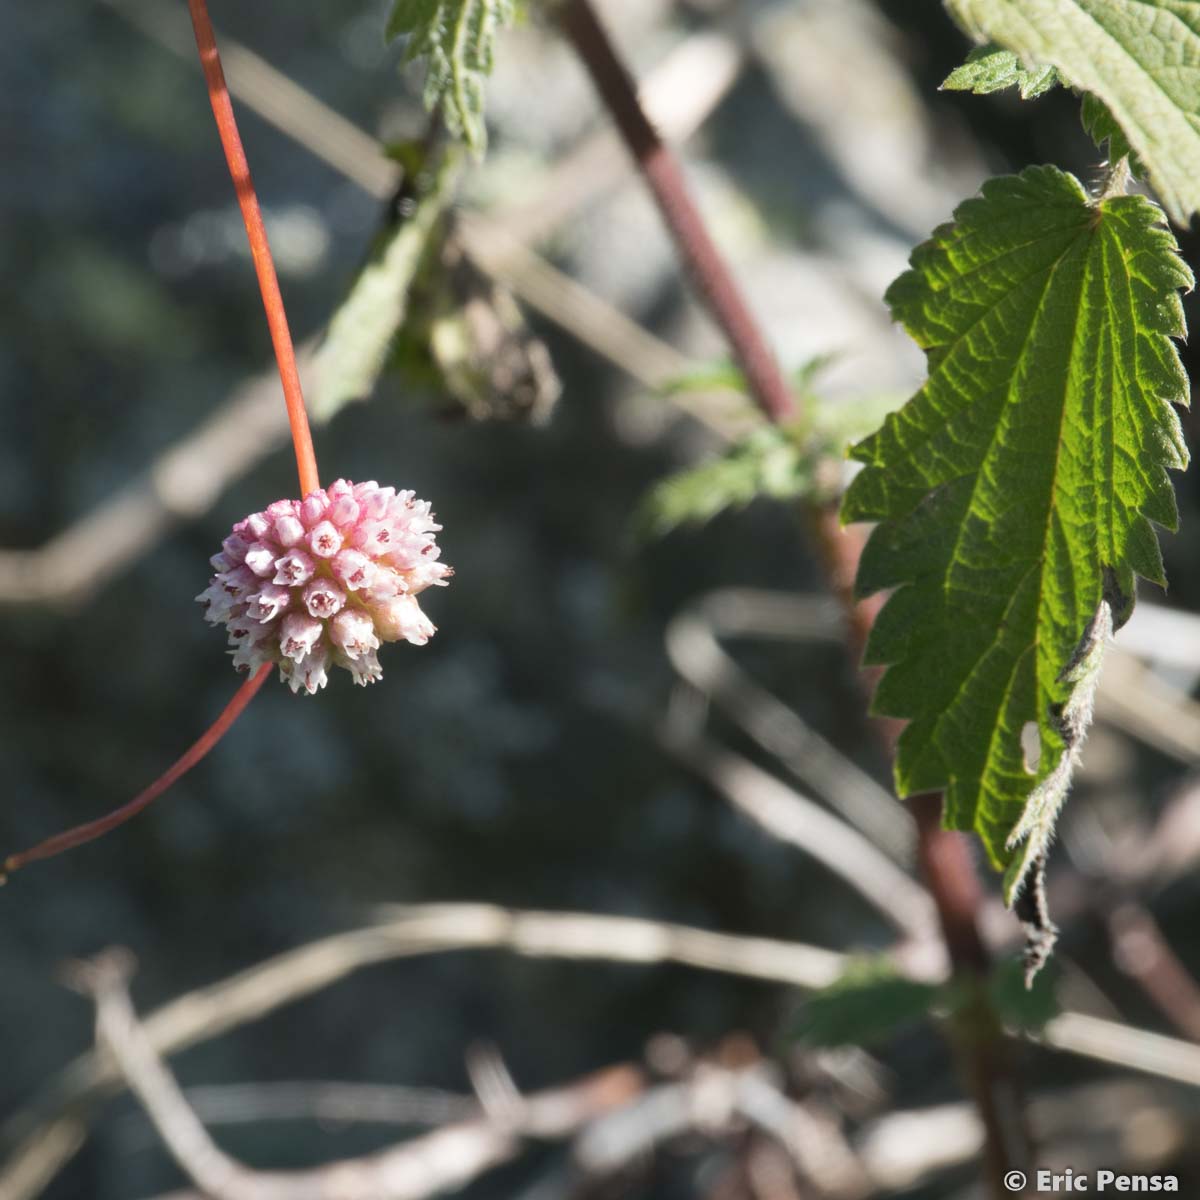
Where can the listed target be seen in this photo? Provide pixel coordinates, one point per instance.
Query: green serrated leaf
(356, 346)
(1015, 490)
(456, 38)
(867, 1004)
(1139, 57)
(1031, 836)
(991, 69)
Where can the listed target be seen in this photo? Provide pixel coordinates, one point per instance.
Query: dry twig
(40, 1139)
(695, 651)
(447, 1158)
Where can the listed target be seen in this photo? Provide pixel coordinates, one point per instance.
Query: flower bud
(353, 569)
(324, 540)
(289, 529)
(298, 635)
(402, 617)
(293, 569)
(323, 598)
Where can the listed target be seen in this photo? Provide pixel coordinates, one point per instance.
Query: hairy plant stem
(945, 856)
(260, 250)
(1116, 179)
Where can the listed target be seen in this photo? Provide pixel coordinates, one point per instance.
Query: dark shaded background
(509, 761)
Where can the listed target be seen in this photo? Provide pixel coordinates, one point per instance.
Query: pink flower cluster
(325, 580)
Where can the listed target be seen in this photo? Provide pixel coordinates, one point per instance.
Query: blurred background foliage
(513, 760)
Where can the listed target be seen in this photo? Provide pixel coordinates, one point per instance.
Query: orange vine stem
(260, 250)
(94, 829)
(306, 459)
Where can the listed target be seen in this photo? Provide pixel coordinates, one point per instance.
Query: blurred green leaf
(1019, 1006)
(356, 346)
(778, 462)
(456, 38)
(769, 461)
(724, 375)
(867, 1004)
(873, 1000)
(721, 376)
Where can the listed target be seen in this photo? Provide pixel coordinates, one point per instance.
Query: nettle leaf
(992, 69)
(1015, 490)
(457, 39)
(872, 1001)
(1141, 58)
(867, 1004)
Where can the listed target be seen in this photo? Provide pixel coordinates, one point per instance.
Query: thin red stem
(94, 829)
(260, 250)
(306, 459)
(664, 176)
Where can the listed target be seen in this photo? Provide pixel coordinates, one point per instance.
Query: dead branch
(44, 1136)
(714, 1101)
(786, 814)
(1140, 949)
(40, 1139)
(413, 1170)
(334, 1102)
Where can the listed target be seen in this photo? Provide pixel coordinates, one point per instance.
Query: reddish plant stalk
(260, 250)
(664, 177)
(306, 460)
(945, 857)
(94, 829)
